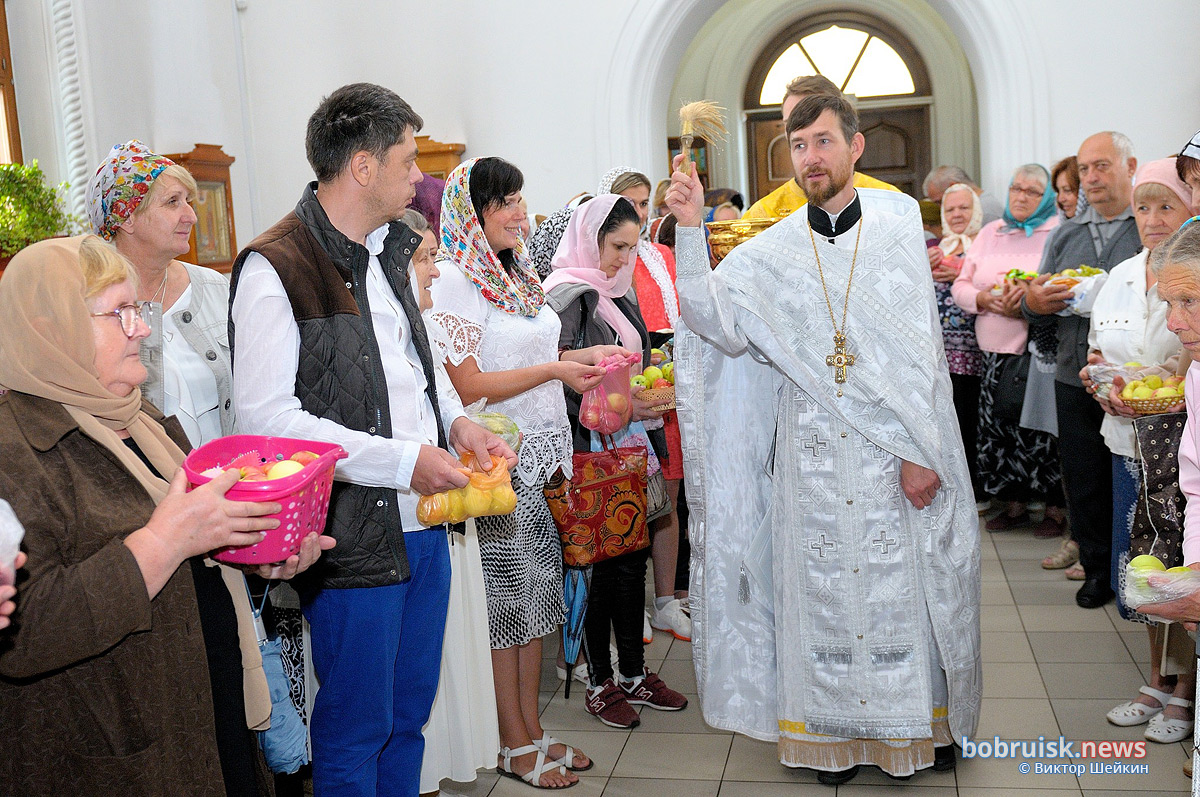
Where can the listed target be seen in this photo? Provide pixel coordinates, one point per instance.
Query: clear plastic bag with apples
(1135, 375)
(1085, 283)
(607, 407)
(497, 423)
(1145, 581)
(489, 492)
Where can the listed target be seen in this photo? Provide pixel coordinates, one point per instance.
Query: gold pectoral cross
(839, 360)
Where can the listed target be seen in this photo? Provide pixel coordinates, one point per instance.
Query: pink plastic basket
(304, 495)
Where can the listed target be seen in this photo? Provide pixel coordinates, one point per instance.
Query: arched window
(865, 58)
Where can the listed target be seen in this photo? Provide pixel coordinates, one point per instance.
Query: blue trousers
(377, 653)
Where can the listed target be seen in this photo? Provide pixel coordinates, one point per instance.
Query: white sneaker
(647, 631)
(581, 669)
(673, 618)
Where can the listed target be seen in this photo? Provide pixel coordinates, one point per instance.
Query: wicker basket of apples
(656, 384)
(1153, 394)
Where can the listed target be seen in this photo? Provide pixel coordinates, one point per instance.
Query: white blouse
(463, 324)
(1129, 324)
(189, 387)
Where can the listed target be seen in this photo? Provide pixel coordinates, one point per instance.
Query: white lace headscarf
(651, 258)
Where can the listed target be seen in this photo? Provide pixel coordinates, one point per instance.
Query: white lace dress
(522, 557)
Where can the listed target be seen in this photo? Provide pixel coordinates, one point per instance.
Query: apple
(504, 500)
(669, 372)
(281, 470)
(1143, 392)
(1133, 364)
(652, 373)
(1180, 569)
(638, 383)
(1146, 562)
(1166, 392)
(1173, 380)
(657, 356)
(476, 502)
(590, 417)
(253, 473)
(1154, 381)
(618, 404)
(660, 384)
(610, 422)
(303, 457)
(1127, 393)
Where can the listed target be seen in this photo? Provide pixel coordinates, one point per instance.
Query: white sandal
(1135, 713)
(1166, 730)
(568, 759)
(540, 767)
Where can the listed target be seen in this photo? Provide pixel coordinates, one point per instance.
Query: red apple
(253, 473)
(303, 457)
(661, 383)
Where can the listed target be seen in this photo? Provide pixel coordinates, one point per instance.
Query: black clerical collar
(821, 225)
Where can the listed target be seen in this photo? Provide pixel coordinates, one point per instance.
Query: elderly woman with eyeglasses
(1016, 465)
(108, 679)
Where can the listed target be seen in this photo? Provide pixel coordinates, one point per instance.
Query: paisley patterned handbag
(601, 510)
(1158, 515)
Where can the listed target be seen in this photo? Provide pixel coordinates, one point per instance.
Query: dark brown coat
(102, 690)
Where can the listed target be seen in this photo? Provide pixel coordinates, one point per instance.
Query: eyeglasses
(1032, 193)
(129, 315)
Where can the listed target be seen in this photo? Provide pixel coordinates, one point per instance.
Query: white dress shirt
(264, 379)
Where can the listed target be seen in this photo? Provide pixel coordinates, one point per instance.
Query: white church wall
(564, 90)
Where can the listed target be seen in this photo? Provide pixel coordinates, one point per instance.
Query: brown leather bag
(600, 511)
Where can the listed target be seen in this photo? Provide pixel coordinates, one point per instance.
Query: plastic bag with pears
(489, 492)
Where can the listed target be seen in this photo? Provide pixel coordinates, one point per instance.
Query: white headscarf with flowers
(464, 244)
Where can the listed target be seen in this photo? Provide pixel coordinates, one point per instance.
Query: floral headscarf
(464, 244)
(120, 184)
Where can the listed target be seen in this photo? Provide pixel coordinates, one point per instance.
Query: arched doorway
(866, 58)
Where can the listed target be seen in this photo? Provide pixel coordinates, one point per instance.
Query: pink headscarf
(1163, 172)
(577, 260)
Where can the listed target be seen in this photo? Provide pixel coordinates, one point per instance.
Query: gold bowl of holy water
(724, 235)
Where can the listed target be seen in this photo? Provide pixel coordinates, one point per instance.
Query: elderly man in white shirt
(328, 344)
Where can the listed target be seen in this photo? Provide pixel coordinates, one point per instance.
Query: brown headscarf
(47, 349)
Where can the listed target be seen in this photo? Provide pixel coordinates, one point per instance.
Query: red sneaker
(607, 703)
(649, 690)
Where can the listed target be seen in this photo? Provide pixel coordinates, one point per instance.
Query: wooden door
(898, 147)
(898, 150)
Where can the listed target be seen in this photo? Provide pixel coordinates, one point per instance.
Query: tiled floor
(1049, 667)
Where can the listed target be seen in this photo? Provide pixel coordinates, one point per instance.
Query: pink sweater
(992, 255)
(1189, 470)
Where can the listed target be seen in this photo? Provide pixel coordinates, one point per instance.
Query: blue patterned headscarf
(1045, 209)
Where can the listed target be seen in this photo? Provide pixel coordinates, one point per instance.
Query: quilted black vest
(340, 375)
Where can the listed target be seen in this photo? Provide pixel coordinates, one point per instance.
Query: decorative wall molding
(71, 105)
(979, 53)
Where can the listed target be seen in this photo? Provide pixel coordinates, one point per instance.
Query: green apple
(1146, 562)
(638, 383)
(652, 373)
(669, 372)
(1133, 364)
(1154, 381)
(1143, 392)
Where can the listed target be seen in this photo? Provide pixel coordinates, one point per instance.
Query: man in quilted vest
(330, 346)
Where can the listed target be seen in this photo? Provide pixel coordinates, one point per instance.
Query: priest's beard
(837, 176)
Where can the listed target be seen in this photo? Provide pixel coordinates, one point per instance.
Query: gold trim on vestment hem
(899, 757)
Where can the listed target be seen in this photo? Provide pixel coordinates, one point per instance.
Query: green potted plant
(30, 210)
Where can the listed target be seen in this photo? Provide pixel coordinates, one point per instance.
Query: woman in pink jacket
(1016, 465)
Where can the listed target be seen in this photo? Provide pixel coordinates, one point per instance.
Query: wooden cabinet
(437, 159)
(213, 241)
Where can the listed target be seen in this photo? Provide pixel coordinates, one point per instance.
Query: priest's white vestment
(828, 612)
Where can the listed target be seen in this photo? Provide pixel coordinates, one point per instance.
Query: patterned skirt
(1015, 463)
(522, 570)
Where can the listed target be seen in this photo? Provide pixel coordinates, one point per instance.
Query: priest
(835, 542)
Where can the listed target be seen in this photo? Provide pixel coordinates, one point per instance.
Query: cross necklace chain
(840, 360)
